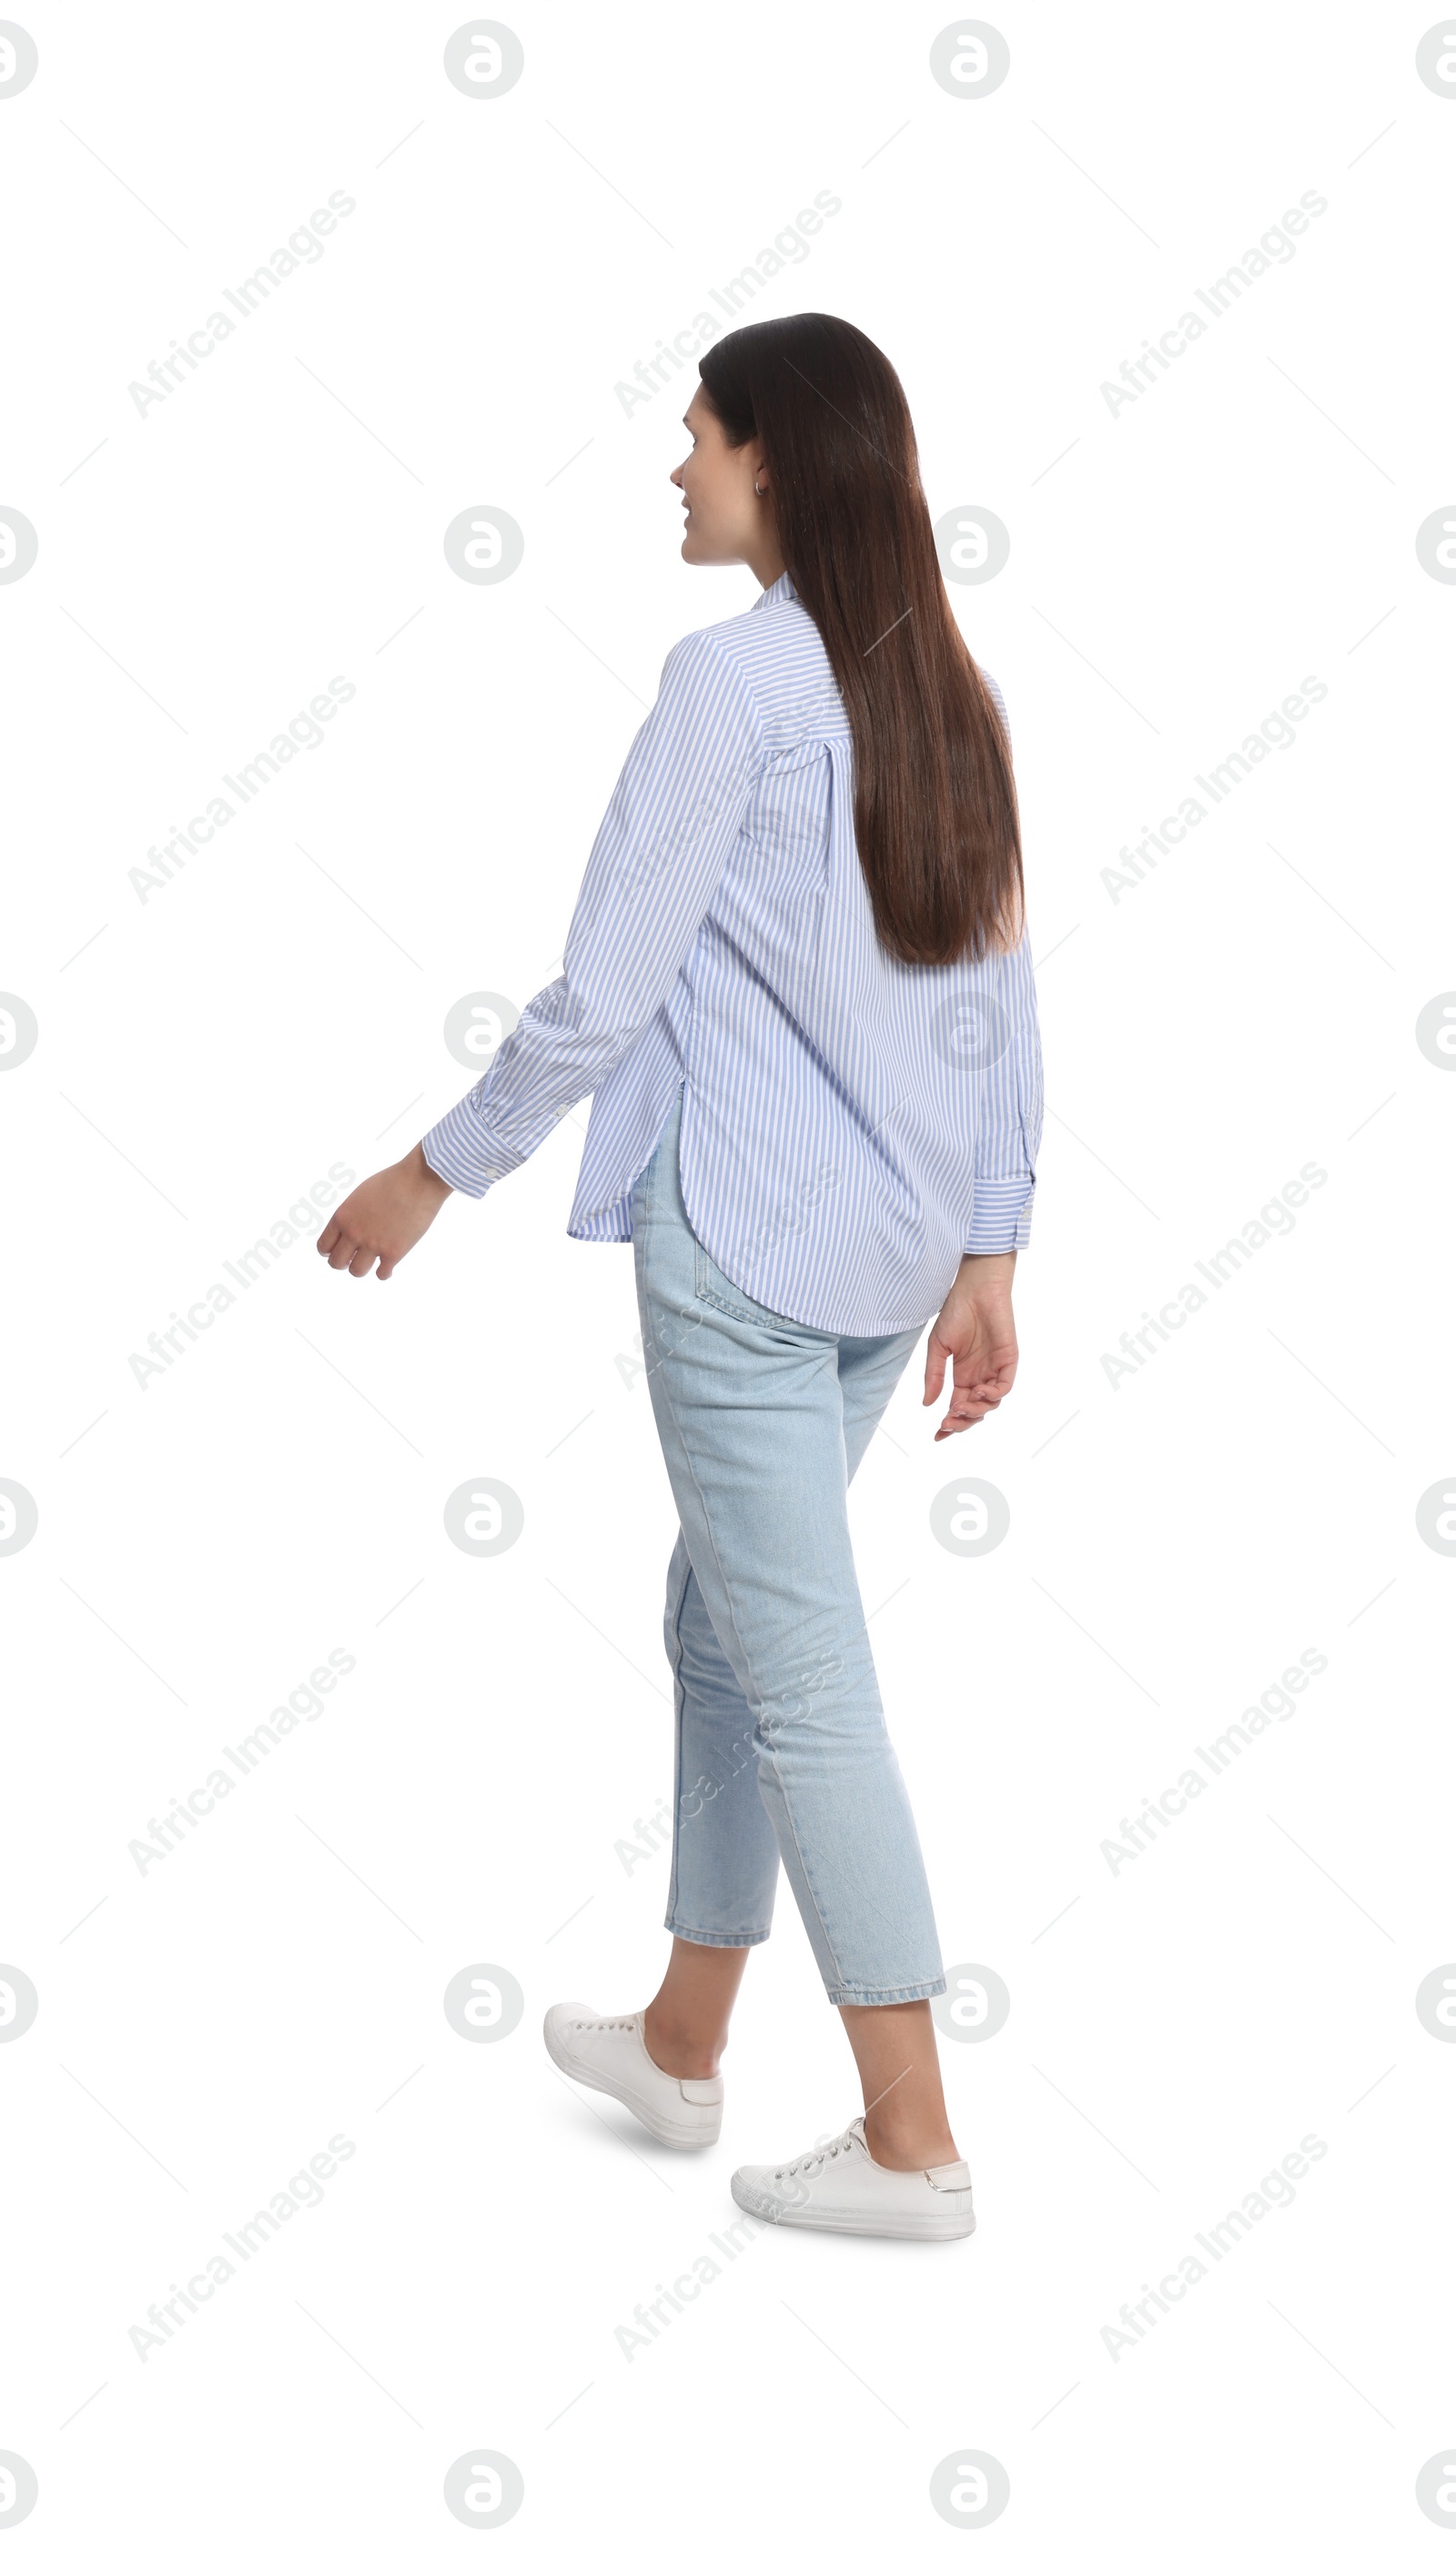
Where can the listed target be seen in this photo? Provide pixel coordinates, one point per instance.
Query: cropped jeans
(782, 1751)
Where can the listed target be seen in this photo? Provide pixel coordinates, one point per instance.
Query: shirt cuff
(1001, 1217)
(463, 1151)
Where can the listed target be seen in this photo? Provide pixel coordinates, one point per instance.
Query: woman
(798, 983)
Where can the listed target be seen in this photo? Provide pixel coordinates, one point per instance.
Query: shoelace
(821, 2152)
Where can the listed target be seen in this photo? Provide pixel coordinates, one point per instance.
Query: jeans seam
(765, 1754)
(679, 1695)
(713, 1752)
(719, 1938)
(867, 1996)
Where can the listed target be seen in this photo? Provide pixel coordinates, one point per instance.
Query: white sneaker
(611, 2054)
(838, 2187)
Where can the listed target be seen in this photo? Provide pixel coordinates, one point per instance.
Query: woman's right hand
(976, 1333)
(383, 1217)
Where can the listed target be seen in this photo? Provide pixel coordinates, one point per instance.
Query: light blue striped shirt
(851, 1125)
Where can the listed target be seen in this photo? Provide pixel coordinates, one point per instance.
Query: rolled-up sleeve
(654, 868)
(1009, 1124)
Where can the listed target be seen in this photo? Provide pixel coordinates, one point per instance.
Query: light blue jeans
(782, 1751)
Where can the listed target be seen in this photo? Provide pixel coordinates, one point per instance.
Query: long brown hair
(935, 800)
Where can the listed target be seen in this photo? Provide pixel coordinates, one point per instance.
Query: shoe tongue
(854, 2132)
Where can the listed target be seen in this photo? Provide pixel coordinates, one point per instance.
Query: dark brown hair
(935, 800)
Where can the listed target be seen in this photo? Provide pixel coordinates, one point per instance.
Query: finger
(361, 1261)
(987, 1388)
(343, 1250)
(935, 1359)
(968, 1406)
(955, 1423)
(978, 1398)
(961, 1413)
(328, 1236)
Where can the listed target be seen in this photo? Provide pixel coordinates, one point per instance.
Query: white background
(1176, 1542)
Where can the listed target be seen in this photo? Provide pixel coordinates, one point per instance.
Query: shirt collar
(782, 590)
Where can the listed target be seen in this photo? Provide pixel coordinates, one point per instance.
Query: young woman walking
(798, 982)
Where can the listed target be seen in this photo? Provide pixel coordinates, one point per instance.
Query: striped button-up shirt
(851, 1125)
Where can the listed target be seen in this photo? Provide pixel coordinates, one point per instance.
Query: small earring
(757, 490)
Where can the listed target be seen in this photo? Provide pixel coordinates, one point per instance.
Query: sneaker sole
(796, 2218)
(690, 2139)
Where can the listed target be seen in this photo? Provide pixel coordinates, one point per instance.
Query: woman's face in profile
(725, 519)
